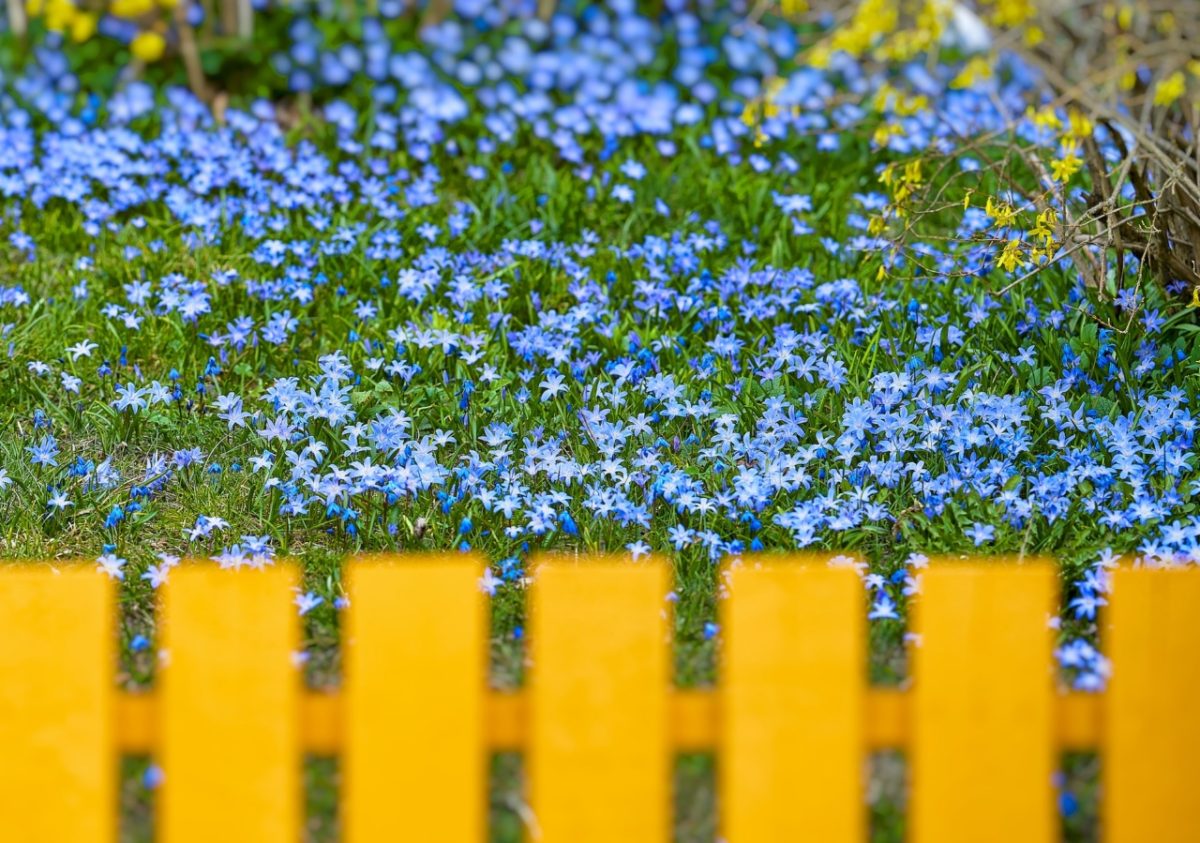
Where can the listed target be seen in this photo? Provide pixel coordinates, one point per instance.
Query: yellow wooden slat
(692, 718)
(57, 752)
(229, 726)
(983, 751)
(886, 724)
(321, 722)
(599, 761)
(416, 676)
(793, 677)
(1151, 755)
(1078, 720)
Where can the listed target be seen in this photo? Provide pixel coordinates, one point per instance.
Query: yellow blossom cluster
(904, 182)
(764, 107)
(80, 24)
(64, 16)
(1037, 248)
(1173, 83)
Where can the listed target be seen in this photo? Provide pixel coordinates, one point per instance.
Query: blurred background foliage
(1126, 73)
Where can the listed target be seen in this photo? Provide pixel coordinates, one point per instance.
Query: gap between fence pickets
(694, 720)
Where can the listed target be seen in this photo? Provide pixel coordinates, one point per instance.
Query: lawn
(615, 283)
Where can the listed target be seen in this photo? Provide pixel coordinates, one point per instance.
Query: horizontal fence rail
(791, 719)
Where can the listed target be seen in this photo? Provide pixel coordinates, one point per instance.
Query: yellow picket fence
(791, 721)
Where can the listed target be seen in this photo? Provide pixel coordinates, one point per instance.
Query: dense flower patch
(565, 285)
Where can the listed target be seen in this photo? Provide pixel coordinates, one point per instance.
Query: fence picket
(230, 695)
(1151, 752)
(983, 752)
(416, 674)
(58, 773)
(790, 720)
(792, 682)
(598, 755)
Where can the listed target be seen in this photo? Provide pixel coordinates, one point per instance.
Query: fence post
(792, 691)
(230, 694)
(416, 673)
(983, 751)
(599, 761)
(1151, 752)
(57, 749)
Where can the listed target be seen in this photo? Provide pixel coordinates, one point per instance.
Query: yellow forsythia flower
(977, 70)
(59, 14)
(1045, 118)
(1068, 165)
(83, 27)
(131, 8)
(1063, 168)
(1081, 125)
(1010, 14)
(1010, 258)
(884, 132)
(1125, 17)
(1169, 89)
(148, 46)
(1044, 228)
(1002, 213)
